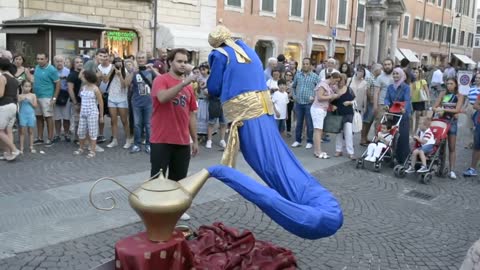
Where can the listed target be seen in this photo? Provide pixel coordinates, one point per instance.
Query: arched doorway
(264, 50)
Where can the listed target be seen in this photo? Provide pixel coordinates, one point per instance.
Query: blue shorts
(213, 120)
(427, 148)
(280, 124)
(27, 120)
(476, 138)
(453, 127)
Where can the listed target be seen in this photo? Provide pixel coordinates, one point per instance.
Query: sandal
(32, 150)
(338, 154)
(352, 157)
(91, 154)
(78, 152)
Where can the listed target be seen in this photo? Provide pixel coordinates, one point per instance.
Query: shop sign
(121, 35)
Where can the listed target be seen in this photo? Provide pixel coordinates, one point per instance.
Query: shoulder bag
(357, 122)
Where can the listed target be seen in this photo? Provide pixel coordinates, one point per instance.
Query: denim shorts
(476, 138)
(453, 127)
(427, 148)
(213, 120)
(122, 104)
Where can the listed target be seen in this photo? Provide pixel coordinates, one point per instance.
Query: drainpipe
(155, 12)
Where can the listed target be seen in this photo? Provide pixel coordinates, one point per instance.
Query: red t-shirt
(170, 121)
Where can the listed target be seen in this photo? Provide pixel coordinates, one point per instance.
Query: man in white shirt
(103, 74)
(436, 83)
(325, 73)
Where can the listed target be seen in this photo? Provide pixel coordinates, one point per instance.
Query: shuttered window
(342, 12)
(321, 10)
(236, 3)
(296, 10)
(361, 15)
(267, 5)
(406, 25)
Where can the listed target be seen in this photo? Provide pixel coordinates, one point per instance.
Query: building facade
(476, 44)
(129, 23)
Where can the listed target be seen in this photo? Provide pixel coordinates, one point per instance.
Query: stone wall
(127, 14)
(9, 10)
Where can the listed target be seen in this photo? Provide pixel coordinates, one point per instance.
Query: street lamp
(451, 35)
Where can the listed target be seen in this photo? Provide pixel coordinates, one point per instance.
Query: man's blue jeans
(302, 112)
(141, 117)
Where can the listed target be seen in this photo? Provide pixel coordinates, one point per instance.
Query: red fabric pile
(220, 247)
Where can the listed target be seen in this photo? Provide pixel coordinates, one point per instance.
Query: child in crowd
(426, 141)
(27, 102)
(89, 112)
(375, 149)
(280, 101)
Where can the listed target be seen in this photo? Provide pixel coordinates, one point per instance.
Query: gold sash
(243, 107)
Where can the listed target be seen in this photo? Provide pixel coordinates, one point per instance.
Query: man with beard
(381, 84)
(160, 65)
(173, 120)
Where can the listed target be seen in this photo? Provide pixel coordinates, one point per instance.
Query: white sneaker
(208, 144)
(452, 175)
(185, 217)
(113, 143)
(127, 144)
(223, 144)
(308, 146)
(98, 149)
(296, 144)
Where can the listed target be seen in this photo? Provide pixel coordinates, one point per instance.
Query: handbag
(333, 123)
(62, 98)
(423, 95)
(357, 122)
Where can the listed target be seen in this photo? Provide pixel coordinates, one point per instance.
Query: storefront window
(87, 47)
(65, 47)
(293, 52)
(121, 43)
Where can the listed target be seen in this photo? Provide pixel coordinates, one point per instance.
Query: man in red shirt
(173, 119)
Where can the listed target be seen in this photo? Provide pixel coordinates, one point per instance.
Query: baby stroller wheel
(359, 163)
(399, 171)
(426, 178)
(377, 166)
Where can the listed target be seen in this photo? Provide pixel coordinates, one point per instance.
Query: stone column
(383, 37)
(374, 41)
(393, 45)
(368, 34)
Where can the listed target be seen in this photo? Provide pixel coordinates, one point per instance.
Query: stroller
(388, 153)
(435, 160)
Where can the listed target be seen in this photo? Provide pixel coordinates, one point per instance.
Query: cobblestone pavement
(384, 228)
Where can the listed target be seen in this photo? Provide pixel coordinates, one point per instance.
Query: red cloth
(221, 247)
(170, 120)
(217, 247)
(136, 252)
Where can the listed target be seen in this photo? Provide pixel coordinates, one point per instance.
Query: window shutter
(360, 15)
(237, 3)
(267, 5)
(321, 6)
(296, 8)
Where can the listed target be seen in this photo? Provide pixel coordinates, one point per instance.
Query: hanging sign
(121, 35)
(464, 77)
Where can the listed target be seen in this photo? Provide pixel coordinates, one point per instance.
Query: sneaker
(67, 138)
(325, 139)
(113, 143)
(423, 169)
(101, 139)
(147, 149)
(185, 217)
(127, 144)
(223, 144)
(56, 139)
(13, 156)
(99, 149)
(50, 143)
(452, 175)
(296, 144)
(308, 146)
(135, 149)
(3, 156)
(410, 170)
(470, 172)
(38, 141)
(208, 144)
(77, 142)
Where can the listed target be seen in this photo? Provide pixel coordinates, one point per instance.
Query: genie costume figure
(294, 199)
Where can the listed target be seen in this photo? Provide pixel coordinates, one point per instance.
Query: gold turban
(221, 35)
